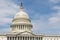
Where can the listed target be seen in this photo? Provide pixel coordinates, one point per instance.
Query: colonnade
(24, 38)
(21, 27)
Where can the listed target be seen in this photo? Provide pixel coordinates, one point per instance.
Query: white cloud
(5, 20)
(56, 8)
(56, 16)
(49, 23)
(54, 20)
(54, 1)
(4, 30)
(7, 10)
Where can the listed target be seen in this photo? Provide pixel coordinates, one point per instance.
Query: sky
(44, 15)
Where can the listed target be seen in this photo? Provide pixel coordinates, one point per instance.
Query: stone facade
(3, 37)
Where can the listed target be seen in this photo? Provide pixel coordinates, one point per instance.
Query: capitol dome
(21, 22)
(21, 17)
(21, 14)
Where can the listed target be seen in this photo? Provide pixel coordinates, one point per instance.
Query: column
(14, 38)
(24, 27)
(40, 38)
(27, 38)
(11, 38)
(17, 27)
(22, 38)
(37, 38)
(7, 38)
(20, 26)
(33, 38)
(17, 38)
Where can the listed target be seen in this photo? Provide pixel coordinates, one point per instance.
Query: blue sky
(44, 15)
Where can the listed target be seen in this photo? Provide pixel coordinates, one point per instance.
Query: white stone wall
(51, 38)
(3, 37)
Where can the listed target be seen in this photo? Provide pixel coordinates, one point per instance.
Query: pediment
(25, 34)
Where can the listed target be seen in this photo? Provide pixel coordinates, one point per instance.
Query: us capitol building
(21, 29)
